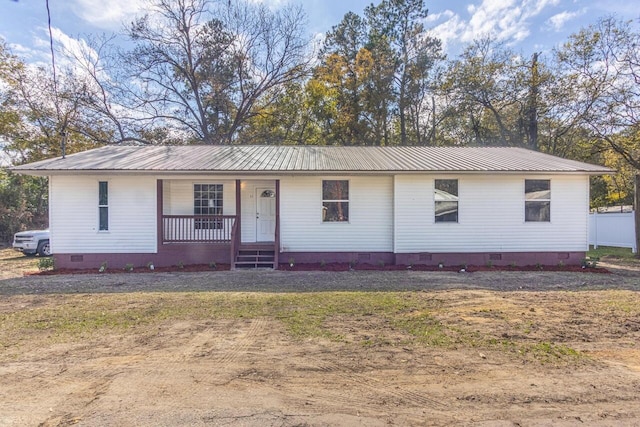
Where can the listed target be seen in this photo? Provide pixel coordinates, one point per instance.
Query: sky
(526, 26)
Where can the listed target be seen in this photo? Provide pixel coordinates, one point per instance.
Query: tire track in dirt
(241, 346)
(374, 384)
(202, 344)
(73, 390)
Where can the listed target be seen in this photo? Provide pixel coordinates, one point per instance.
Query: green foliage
(374, 74)
(45, 263)
(590, 262)
(23, 203)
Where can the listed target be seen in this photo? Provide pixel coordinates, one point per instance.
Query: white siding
(178, 195)
(370, 226)
(74, 215)
(491, 215)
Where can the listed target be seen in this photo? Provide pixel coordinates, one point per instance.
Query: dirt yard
(277, 348)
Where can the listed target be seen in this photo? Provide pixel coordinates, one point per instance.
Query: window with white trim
(335, 200)
(103, 206)
(537, 200)
(207, 200)
(446, 200)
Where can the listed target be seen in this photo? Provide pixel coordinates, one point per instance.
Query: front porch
(240, 229)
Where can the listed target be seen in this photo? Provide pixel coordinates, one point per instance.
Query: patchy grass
(14, 263)
(381, 318)
(548, 352)
(611, 252)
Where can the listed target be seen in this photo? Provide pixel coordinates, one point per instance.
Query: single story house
(264, 205)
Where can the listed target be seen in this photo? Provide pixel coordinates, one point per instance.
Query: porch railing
(197, 228)
(235, 244)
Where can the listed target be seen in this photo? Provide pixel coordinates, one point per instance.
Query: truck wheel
(44, 249)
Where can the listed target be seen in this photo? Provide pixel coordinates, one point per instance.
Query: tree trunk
(433, 120)
(637, 213)
(403, 120)
(532, 124)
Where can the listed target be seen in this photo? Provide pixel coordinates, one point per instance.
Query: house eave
(264, 174)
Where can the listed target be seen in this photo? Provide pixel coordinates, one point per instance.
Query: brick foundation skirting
(201, 253)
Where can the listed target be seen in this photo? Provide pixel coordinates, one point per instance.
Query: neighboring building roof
(613, 209)
(305, 159)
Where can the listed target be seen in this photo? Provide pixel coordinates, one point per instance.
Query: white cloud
(76, 48)
(556, 22)
(24, 52)
(108, 14)
(70, 53)
(503, 20)
(433, 17)
(449, 31)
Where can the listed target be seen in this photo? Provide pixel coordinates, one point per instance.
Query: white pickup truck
(32, 242)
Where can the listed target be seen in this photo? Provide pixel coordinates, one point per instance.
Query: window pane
(446, 211)
(537, 189)
(446, 200)
(537, 211)
(104, 218)
(103, 193)
(448, 188)
(335, 211)
(335, 190)
(207, 200)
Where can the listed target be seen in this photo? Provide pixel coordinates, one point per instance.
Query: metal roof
(261, 159)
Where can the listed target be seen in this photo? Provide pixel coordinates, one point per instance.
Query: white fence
(612, 229)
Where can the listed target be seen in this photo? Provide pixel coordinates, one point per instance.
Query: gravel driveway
(291, 281)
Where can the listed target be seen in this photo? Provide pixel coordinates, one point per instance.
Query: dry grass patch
(15, 264)
(535, 326)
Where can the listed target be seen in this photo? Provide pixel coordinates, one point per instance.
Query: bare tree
(204, 74)
(603, 62)
(270, 51)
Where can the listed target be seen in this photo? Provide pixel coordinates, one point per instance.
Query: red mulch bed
(469, 269)
(338, 266)
(174, 268)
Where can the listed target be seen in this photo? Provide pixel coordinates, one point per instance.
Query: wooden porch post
(159, 213)
(238, 210)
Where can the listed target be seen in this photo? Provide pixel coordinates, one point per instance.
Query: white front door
(265, 214)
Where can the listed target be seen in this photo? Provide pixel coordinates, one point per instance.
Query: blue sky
(525, 25)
